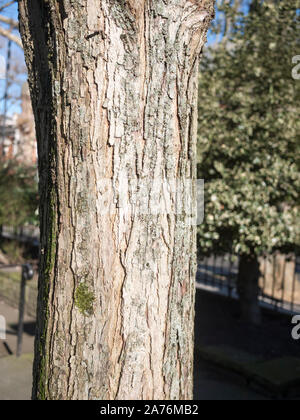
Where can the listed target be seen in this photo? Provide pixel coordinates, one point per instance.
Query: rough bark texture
(114, 92)
(248, 289)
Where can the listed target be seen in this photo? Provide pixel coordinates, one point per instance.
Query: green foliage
(14, 251)
(249, 134)
(18, 194)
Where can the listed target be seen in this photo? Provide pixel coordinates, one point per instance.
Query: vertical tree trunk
(114, 92)
(248, 288)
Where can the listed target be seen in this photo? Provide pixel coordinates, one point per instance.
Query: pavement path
(213, 384)
(16, 377)
(16, 374)
(210, 383)
(9, 345)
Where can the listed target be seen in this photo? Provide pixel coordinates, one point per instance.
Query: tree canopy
(18, 193)
(249, 133)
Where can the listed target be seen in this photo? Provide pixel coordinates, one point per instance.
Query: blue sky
(17, 56)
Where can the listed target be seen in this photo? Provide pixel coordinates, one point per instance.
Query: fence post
(2, 328)
(27, 274)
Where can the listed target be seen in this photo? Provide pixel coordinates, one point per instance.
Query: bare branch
(13, 23)
(7, 5)
(7, 34)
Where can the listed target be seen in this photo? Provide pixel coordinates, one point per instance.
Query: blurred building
(17, 133)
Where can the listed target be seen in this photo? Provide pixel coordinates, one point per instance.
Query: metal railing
(279, 281)
(23, 234)
(27, 273)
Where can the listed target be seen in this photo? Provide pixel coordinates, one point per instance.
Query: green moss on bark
(84, 299)
(50, 257)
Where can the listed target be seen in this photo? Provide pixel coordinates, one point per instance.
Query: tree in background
(9, 26)
(15, 73)
(248, 143)
(18, 194)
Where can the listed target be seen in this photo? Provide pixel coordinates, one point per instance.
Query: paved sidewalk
(213, 384)
(16, 377)
(16, 374)
(210, 383)
(9, 345)
(265, 356)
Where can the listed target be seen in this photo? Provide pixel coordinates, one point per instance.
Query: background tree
(114, 92)
(17, 70)
(18, 192)
(18, 204)
(8, 25)
(12, 66)
(248, 141)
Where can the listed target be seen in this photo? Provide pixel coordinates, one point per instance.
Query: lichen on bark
(84, 299)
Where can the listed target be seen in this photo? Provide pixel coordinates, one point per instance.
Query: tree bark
(248, 289)
(114, 92)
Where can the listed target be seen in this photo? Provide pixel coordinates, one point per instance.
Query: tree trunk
(248, 289)
(114, 92)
